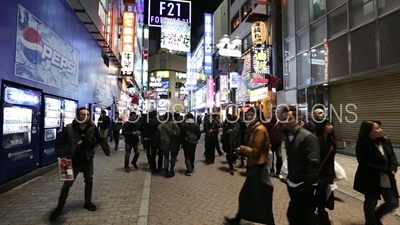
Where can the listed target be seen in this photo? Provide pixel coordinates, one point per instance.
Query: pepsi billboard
(42, 56)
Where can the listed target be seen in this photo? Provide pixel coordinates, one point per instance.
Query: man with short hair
(104, 123)
(303, 154)
(77, 142)
(317, 117)
(190, 133)
(131, 132)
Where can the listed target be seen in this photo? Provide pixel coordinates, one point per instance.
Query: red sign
(145, 54)
(129, 2)
(259, 81)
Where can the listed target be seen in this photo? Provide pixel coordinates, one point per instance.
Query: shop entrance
(311, 98)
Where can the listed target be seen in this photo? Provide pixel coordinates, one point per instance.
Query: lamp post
(230, 49)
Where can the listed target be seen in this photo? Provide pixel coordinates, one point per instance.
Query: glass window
(246, 9)
(290, 73)
(337, 21)
(235, 22)
(302, 17)
(318, 32)
(361, 12)
(303, 40)
(333, 4)
(385, 6)
(247, 43)
(319, 65)
(303, 69)
(317, 9)
(288, 18)
(290, 47)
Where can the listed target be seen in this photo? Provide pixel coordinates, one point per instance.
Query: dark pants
(147, 148)
(210, 150)
(301, 205)
(230, 157)
(155, 150)
(169, 156)
(87, 169)
(218, 148)
(276, 153)
(391, 202)
(189, 151)
(116, 138)
(128, 150)
(320, 197)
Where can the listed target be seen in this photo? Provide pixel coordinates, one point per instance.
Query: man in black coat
(190, 133)
(303, 154)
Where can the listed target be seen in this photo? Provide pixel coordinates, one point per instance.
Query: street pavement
(142, 198)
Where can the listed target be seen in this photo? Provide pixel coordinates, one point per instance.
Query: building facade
(345, 56)
(167, 74)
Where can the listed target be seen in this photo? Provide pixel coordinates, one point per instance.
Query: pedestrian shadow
(181, 171)
(224, 162)
(337, 199)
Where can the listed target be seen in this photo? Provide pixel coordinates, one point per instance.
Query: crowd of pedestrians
(310, 149)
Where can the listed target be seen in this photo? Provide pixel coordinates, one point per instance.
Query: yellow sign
(259, 32)
(162, 74)
(128, 32)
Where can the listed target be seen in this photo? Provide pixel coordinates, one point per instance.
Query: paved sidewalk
(211, 193)
(117, 195)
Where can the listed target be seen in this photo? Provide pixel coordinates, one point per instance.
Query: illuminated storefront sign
(128, 41)
(174, 9)
(208, 37)
(162, 74)
(198, 57)
(259, 32)
(230, 52)
(180, 75)
(261, 60)
(210, 92)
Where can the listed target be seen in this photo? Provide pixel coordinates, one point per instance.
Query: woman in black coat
(375, 175)
(324, 132)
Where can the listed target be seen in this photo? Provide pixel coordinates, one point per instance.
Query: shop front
(355, 101)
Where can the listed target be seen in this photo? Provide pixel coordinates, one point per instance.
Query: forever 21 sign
(174, 9)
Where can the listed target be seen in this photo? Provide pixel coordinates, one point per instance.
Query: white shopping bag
(339, 172)
(284, 169)
(271, 159)
(330, 189)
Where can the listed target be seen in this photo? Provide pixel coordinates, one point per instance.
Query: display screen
(69, 112)
(52, 112)
(17, 125)
(173, 9)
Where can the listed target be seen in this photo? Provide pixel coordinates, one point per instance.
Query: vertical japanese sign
(188, 70)
(210, 93)
(223, 87)
(208, 37)
(128, 41)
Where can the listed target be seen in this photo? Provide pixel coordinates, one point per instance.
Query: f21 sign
(173, 9)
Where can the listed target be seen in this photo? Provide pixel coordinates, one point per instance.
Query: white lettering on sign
(170, 8)
(180, 10)
(16, 142)
(58, 60)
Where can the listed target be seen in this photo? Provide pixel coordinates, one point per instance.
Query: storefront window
(235, 22)
(290, 73)
(247, 43)
(302, 17)
(290, 47)
(333, 4)
(319, 64)
(385, 6)
(288, 18)
(337, 21)
(246, 9)
(317, 9)
(303, 40)
(361, 12)
(302, 104)
(303, 69)
(318, 32)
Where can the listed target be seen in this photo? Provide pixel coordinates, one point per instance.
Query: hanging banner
(128, 41)
(175, 35)
(42, 56)
(210, 92)
(208, 41)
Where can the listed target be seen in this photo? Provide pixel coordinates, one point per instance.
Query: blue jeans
(128, 150)
(167, 158)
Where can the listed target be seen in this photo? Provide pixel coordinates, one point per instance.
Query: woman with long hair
(324, 132)
(375, 175)
(255, 198)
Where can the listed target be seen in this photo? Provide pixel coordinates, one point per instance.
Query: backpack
(191, 137)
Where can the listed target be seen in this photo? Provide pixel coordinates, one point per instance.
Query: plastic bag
(284, 169)
(339, 172)
(271, 159)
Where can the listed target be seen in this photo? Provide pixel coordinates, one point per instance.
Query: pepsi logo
(32, 45)
(36, 51)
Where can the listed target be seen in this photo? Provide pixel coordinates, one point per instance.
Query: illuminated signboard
(208, 37)
(174, 9)
(162, 74)
(175, 35)
(128, 41)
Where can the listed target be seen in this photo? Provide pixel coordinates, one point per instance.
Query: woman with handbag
(375, 175)
(324, 132)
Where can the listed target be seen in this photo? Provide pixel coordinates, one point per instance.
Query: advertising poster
(175, 35)
(210, 92)
(42, 56)
(224, 89)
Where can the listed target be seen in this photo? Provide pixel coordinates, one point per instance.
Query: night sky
(198, 8)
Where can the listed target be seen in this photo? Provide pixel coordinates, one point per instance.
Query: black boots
(171, 170)
(323, 218)
(233, 221)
